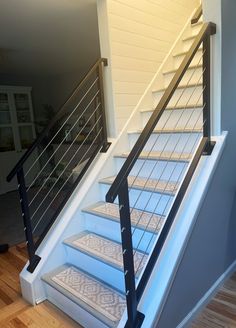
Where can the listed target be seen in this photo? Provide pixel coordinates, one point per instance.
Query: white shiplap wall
(141, 33)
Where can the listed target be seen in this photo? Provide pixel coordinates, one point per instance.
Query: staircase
(90, 285)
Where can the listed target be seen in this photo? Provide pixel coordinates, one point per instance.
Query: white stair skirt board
(102, 301)
(105, 250)
(142, 219)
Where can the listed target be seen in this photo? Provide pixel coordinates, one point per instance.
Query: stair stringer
(163, 274)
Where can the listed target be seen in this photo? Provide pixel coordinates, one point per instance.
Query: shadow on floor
(11, 223)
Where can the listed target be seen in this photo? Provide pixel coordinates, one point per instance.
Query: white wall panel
(141, 33)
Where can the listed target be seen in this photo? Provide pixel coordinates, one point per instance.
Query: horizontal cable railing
(187, 136)
(55, 163)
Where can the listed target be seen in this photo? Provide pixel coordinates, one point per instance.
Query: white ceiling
(47, 37)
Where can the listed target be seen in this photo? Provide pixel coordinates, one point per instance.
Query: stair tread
(96, 297)
(181, 86)
(146, 184)
(185, 52)
(176, 69)
(200, 22)
(190, 37)
(106, 250)
(142, 219)
(161, 155)
(176, 130)
(189, 106)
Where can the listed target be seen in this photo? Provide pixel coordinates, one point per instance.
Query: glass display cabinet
(17, 130)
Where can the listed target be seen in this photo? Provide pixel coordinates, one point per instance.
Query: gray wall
(212, 246)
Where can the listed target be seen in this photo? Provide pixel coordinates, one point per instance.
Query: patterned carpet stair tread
(162, 155)
(94, 296)
(155, 185)
(105, 250)
(142, 219)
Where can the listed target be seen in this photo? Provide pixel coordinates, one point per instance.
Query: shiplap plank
(141, 34)
(141, 17)
(134, 52)
(131, 76)
(158, 11)
(135, 39)
(142, 29)
(134, 64)
(129, 87)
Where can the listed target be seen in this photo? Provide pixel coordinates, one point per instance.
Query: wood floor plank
(14, 311)
(221, 310)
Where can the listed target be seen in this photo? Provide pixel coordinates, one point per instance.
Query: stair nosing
(147, 189)
(69, 243)
(187, 38)
(156, 158)
(47, 278)
(184, 53)
(145, 110)
(168, 131)
(90, 210)
(176, 69)
(198, 23)
(181, 86)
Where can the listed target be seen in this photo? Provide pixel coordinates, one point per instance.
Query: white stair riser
(145, 200)
(104, 271)
(195, 29)
(181, 97)
(157, 169)
(197, 60)
(192, 76)
(186, 44)
(174, 118)
(111, 229)
(72, 309)
(175, 142)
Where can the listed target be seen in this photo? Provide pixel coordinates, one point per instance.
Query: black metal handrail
(55, 163)
(197, 15)
(120, 186)
(207, 30)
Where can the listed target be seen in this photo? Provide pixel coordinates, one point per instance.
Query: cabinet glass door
(22, 105)
(26, 136)
(6, 139)
(5, 117)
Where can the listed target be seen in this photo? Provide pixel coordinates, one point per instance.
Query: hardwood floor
(14, 311)
(221, 311)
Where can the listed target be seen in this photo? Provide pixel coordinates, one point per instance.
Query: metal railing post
(105, 143)
(135, 318)
(207, 90)
(33, 258)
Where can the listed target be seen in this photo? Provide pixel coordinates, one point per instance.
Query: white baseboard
(207, 297)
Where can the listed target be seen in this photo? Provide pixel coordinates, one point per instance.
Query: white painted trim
(212, 13)
(165, 270)
(104, 39)
(206, 298)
